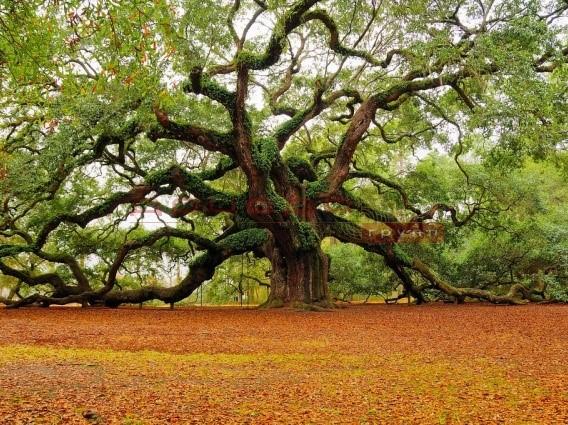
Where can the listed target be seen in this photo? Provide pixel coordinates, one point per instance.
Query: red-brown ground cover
(364, 364)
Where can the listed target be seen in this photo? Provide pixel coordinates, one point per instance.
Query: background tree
(276, 124)
(354, 271)
(520, 239)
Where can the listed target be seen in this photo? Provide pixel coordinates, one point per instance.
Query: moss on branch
(286, 24)
(315, 188)
(13, 250)
(279, 204)
(264, 153)
(202, 84)
(225, 164)
(301, 169)
(245, 240)
(308, 237)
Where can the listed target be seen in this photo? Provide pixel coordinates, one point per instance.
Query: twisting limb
(395, 139)
(349, 232)
(334, 43)
(230, 18)
(202, 83)
(52, 279)
(317, 157)
(351, 201)
(420, 215)
(155, 182)
(149, 240)
(389, 183)
(249, 24)
(286, 83)
(428, 215)
(357, 128)
(518, 294)
(397, 260)
(319, 104)
(71, 262)
(200, 269)
(290, 21)
(210, 140)
(365, 114)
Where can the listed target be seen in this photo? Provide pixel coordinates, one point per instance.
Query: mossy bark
(299, 279)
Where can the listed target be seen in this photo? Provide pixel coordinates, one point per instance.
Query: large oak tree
(267, 115)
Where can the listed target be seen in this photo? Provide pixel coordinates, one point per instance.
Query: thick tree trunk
(300, 269)
(299, 280)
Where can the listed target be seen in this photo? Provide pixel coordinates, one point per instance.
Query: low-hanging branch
(201, 268)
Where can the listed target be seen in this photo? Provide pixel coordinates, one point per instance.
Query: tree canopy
(265, 127)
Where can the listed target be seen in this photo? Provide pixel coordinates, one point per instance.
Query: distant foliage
(356, 272)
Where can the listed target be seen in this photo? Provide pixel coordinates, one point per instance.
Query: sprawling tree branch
(78, 128)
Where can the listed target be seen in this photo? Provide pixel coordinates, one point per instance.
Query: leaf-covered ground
(365, 364)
